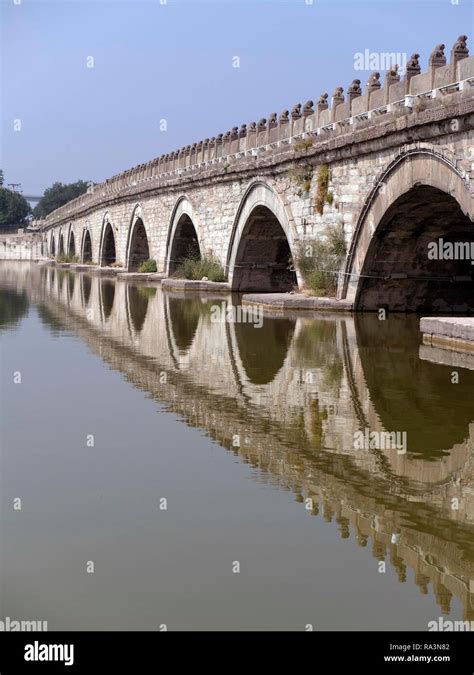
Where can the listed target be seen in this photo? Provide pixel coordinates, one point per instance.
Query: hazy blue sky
(173, 61)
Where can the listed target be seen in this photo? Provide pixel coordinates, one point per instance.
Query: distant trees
(14, 209)
(57, 195)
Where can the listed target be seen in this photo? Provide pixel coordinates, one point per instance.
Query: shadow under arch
(419, 200)
(184, 314)
(52, 247)
(263, 350)
(86, 246)
(61, 244)
(71, 284)
(108, 249)
(72, 244)
(260, 256)
(107, 297)
(185, 243)
(138, 298)
(408, 393)
(138, 247)
(86, 287)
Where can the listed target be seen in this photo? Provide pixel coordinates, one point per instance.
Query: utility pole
(14, 186)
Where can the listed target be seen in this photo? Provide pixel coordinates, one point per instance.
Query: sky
(86, 84)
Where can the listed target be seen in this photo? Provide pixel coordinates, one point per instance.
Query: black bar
(323, 652)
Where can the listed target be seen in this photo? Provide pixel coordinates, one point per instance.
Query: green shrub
(148, 266)
(65, 258)
(320, 260)
(197, 268)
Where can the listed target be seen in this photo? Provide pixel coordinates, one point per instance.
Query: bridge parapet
(309, 125)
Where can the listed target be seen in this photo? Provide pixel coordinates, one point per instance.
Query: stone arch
(108, 248)
(260, 255)
(183, 239)
(138, 248)
(71, 247)
(420, 198)
(52, 245)
(61, 243)
(86, 247)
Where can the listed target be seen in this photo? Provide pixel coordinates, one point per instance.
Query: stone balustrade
(396, 96)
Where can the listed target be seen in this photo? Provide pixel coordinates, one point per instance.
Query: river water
(160, 467)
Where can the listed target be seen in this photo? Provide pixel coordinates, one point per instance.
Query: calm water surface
(130, 396)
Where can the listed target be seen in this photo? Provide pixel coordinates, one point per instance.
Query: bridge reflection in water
(288, 397)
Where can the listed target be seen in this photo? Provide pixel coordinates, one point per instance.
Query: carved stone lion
(296, 111)
(459, 50)
(373, 82)
(413, 66)
(308, 108)
(437, 57)
(322, 102)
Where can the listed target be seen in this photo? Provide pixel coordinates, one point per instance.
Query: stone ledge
(190, 285)
(296, 301)
(140, 276)
(441, 330)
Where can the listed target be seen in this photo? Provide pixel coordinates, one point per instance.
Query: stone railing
(396, 96)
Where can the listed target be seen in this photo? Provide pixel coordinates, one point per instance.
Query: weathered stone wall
(23, 247)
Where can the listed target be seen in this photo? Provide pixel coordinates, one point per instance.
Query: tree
(57, 195)
(2, 179)
(14, 209)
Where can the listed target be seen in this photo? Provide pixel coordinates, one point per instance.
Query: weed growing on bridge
(320, 260)
(198, 268)
(65, 258)
(301, 175)
(322, 184)
(304, 144)
(148, 266)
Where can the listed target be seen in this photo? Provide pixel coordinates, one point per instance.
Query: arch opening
(87, 247)
(53, 246)
(185, 243)
(86, 289)
(138, 299)
(61, 244)
(71, 284)
(72, 244)
(108, 247)
(409, 267)
(264, 262)
(264, 351)
(107, 296)
(139, 250)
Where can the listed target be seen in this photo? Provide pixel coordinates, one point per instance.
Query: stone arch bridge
(399, 162)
